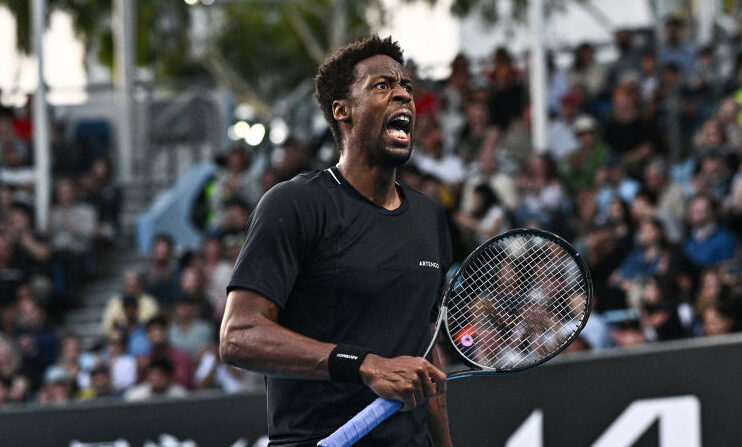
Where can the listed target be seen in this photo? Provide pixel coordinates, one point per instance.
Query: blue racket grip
(366, 420)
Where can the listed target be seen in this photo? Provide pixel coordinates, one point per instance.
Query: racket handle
(362, 423)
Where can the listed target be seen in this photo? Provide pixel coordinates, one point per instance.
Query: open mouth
(399, 127)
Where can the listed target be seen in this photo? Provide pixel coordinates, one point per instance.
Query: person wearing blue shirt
(707, 243)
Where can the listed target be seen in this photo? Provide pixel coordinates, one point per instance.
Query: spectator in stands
(541, 193)
(430, 156)
(586, 73)
(628, 61)
(106, 197)
(733, 204)
(473, 132)
(235, 182)
(11, 275)
(713, 177)
(73, 363)
(144, 304)
(293, 160)
(676, 49)
(487, 170)
(217, 273)
(36, 340)
(187, 331)
(158, 384)
(727, 116)
(718, 319)
(454, 98)
(626, 132)
(231, 229)
(211, 372)
(659, 311)
(57, 390)
(669, 196)
(710, 289)
(161, 278)
(101, 386)
(486, 218)
(15, 383)
(649, 78)
(15, 170)
(72, 226)
(708, 243)
(157, 333)
(31, 249)
(581, 166)
(122, 367)
(506, 96)
(562, 137)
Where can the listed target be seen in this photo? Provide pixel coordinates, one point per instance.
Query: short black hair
(163, 364)
(157, 320)
(336, 73)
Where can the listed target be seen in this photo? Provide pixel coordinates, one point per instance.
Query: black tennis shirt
(344, 270)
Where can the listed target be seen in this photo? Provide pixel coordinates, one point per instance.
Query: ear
(341, 110)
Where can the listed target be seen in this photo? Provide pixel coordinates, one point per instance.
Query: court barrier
(680, 394)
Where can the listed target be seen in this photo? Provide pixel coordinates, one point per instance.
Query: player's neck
(376, 183)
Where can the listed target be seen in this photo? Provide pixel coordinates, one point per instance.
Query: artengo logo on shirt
(430, 264)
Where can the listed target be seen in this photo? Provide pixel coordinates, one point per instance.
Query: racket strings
(516, 302)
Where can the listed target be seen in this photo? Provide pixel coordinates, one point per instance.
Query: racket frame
(482, 370)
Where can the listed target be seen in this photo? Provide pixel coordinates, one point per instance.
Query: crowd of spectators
(642, 173)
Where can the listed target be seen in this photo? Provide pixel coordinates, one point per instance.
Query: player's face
(382, 110)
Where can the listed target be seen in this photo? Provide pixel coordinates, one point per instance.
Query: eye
(408, 88)
(382, 85)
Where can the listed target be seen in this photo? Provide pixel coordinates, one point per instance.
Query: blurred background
(128, 173)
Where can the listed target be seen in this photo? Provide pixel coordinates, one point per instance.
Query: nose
(401, 93)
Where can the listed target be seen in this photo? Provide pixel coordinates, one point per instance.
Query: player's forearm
(259, 344)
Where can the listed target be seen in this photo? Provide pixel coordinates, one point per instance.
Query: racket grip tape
(366, 420)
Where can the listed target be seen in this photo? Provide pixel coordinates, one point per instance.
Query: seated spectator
(707, 243)
(542, 195)
(211, 372)
(158, 383)
(486, 218)
(187, 331)
(15, 383)
(581, 166)
(122, 367)
(612, 182)
(31, 249)
(15, 170)
(157, 334)
(106, 197)
(161, 278)
(713, 176)
(235, 182)
(231, 229)
(562, 138)
(37, 342)
(626, 132)
(72, 226)
(430, 157)
(659, 311)
(145, 305)
(57, 390)
(586, 72)
(11, 274)
(487, 169)
(669, 196)
(217, 272)
(73, 362)
(718, 319)
(101, 386)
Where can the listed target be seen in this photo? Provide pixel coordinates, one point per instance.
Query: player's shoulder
(304, 189)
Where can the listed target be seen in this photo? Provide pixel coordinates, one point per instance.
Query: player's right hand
(410, 380)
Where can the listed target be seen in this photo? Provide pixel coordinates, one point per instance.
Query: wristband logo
(347, 356)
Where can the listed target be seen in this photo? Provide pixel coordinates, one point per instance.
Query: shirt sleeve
(277, 236)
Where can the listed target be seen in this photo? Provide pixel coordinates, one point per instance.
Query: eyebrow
(403, 80)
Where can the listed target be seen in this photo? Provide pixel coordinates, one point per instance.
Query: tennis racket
(517, 301)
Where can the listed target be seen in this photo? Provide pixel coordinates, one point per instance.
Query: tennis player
(336, 285)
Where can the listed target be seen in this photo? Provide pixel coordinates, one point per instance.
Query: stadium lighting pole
(42, 184)
(537, 76)
(123, 25)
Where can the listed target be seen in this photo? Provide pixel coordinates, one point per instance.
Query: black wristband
(344, 363)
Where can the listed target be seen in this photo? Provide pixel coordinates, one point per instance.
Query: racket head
(516, 302)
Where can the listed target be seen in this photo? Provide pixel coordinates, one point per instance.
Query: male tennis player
(333, 291)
